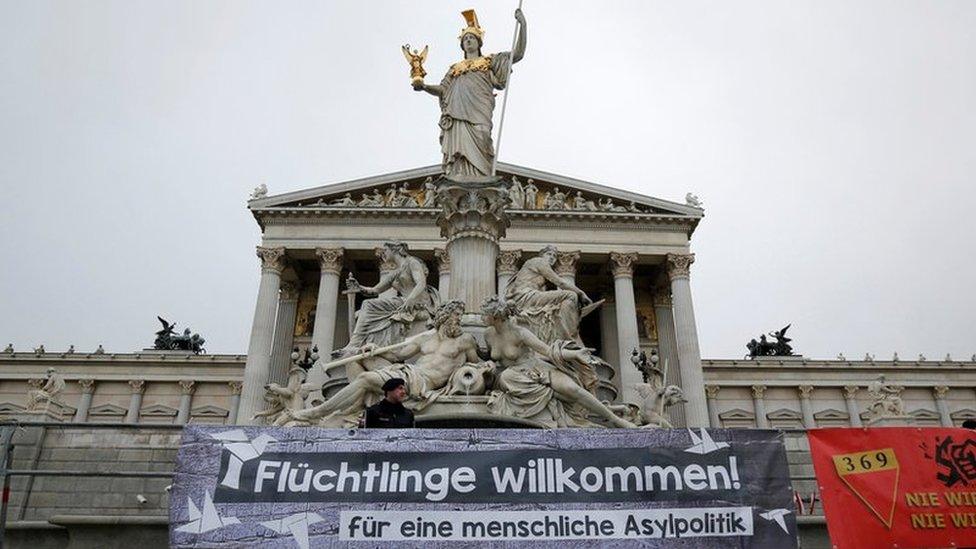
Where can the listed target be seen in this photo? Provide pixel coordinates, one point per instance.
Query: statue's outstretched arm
(546, 271)
(411, 347)
(385, 283)
(278, 390)
(532, 341)
(434, 89)
(519, 50)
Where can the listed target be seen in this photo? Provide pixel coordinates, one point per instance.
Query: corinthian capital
(187, 386)
(679, 265)
(711, 391)
(330, 259)
(758, 391)
(566, 263)
(940, 391)
(235, 387)
(622, 264)
(272, 259)
(87, 385)
(850, 391)
(508, 261)
(137, 385)
(443, 261)
(806, 391)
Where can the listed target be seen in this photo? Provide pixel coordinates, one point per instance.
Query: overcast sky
(833, 143)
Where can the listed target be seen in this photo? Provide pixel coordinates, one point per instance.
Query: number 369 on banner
(873, 477)
(863, 462)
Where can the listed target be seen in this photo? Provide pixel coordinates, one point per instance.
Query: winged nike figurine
(416, 60)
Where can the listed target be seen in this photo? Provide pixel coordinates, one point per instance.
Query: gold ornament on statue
(416, 60)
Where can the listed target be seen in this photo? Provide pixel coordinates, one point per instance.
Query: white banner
(426, 525)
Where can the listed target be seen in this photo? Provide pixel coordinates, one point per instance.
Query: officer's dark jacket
(386, 415)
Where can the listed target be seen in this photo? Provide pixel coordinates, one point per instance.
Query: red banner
(897, 486)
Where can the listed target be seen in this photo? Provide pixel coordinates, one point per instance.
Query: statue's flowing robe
(466, 108)
(552, 315)
(381, 320)
(524, 389)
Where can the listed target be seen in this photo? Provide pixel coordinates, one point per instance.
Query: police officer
(390, 413)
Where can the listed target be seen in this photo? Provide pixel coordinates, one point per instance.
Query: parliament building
(630, 252)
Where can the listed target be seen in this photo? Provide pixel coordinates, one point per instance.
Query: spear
(508, 86)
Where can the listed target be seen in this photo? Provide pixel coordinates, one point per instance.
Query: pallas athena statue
(467, 100)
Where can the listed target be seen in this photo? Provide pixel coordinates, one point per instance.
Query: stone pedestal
(473, 219)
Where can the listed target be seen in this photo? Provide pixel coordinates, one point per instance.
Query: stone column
(759, 405)
(284, 333)
(235, 401)
(940, 391)
(711, 393)
(667, 349)
(138, 387)
(444, 270)
(628, 338)
(385, 267)
(686, 332)
(806, 407)
(84, 403)
(326, 309)
(506, 268)
(566, 265)
(257, 369)
(850, 399)
(473, 219)
(187, 386)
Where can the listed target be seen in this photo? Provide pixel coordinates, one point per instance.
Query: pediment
(832, 414)
(965, 413)
(784, 414)
(107, 410)
(158, 410)
(405, 192)
(737, 413)
(10, 408)
(924, 414)
(209, 411)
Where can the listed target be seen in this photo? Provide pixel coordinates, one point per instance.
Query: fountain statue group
(532, 364)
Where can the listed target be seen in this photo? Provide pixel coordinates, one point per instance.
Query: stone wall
(773, 392)
(80, 511)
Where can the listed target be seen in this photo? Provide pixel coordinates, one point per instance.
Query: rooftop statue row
(39, 350)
